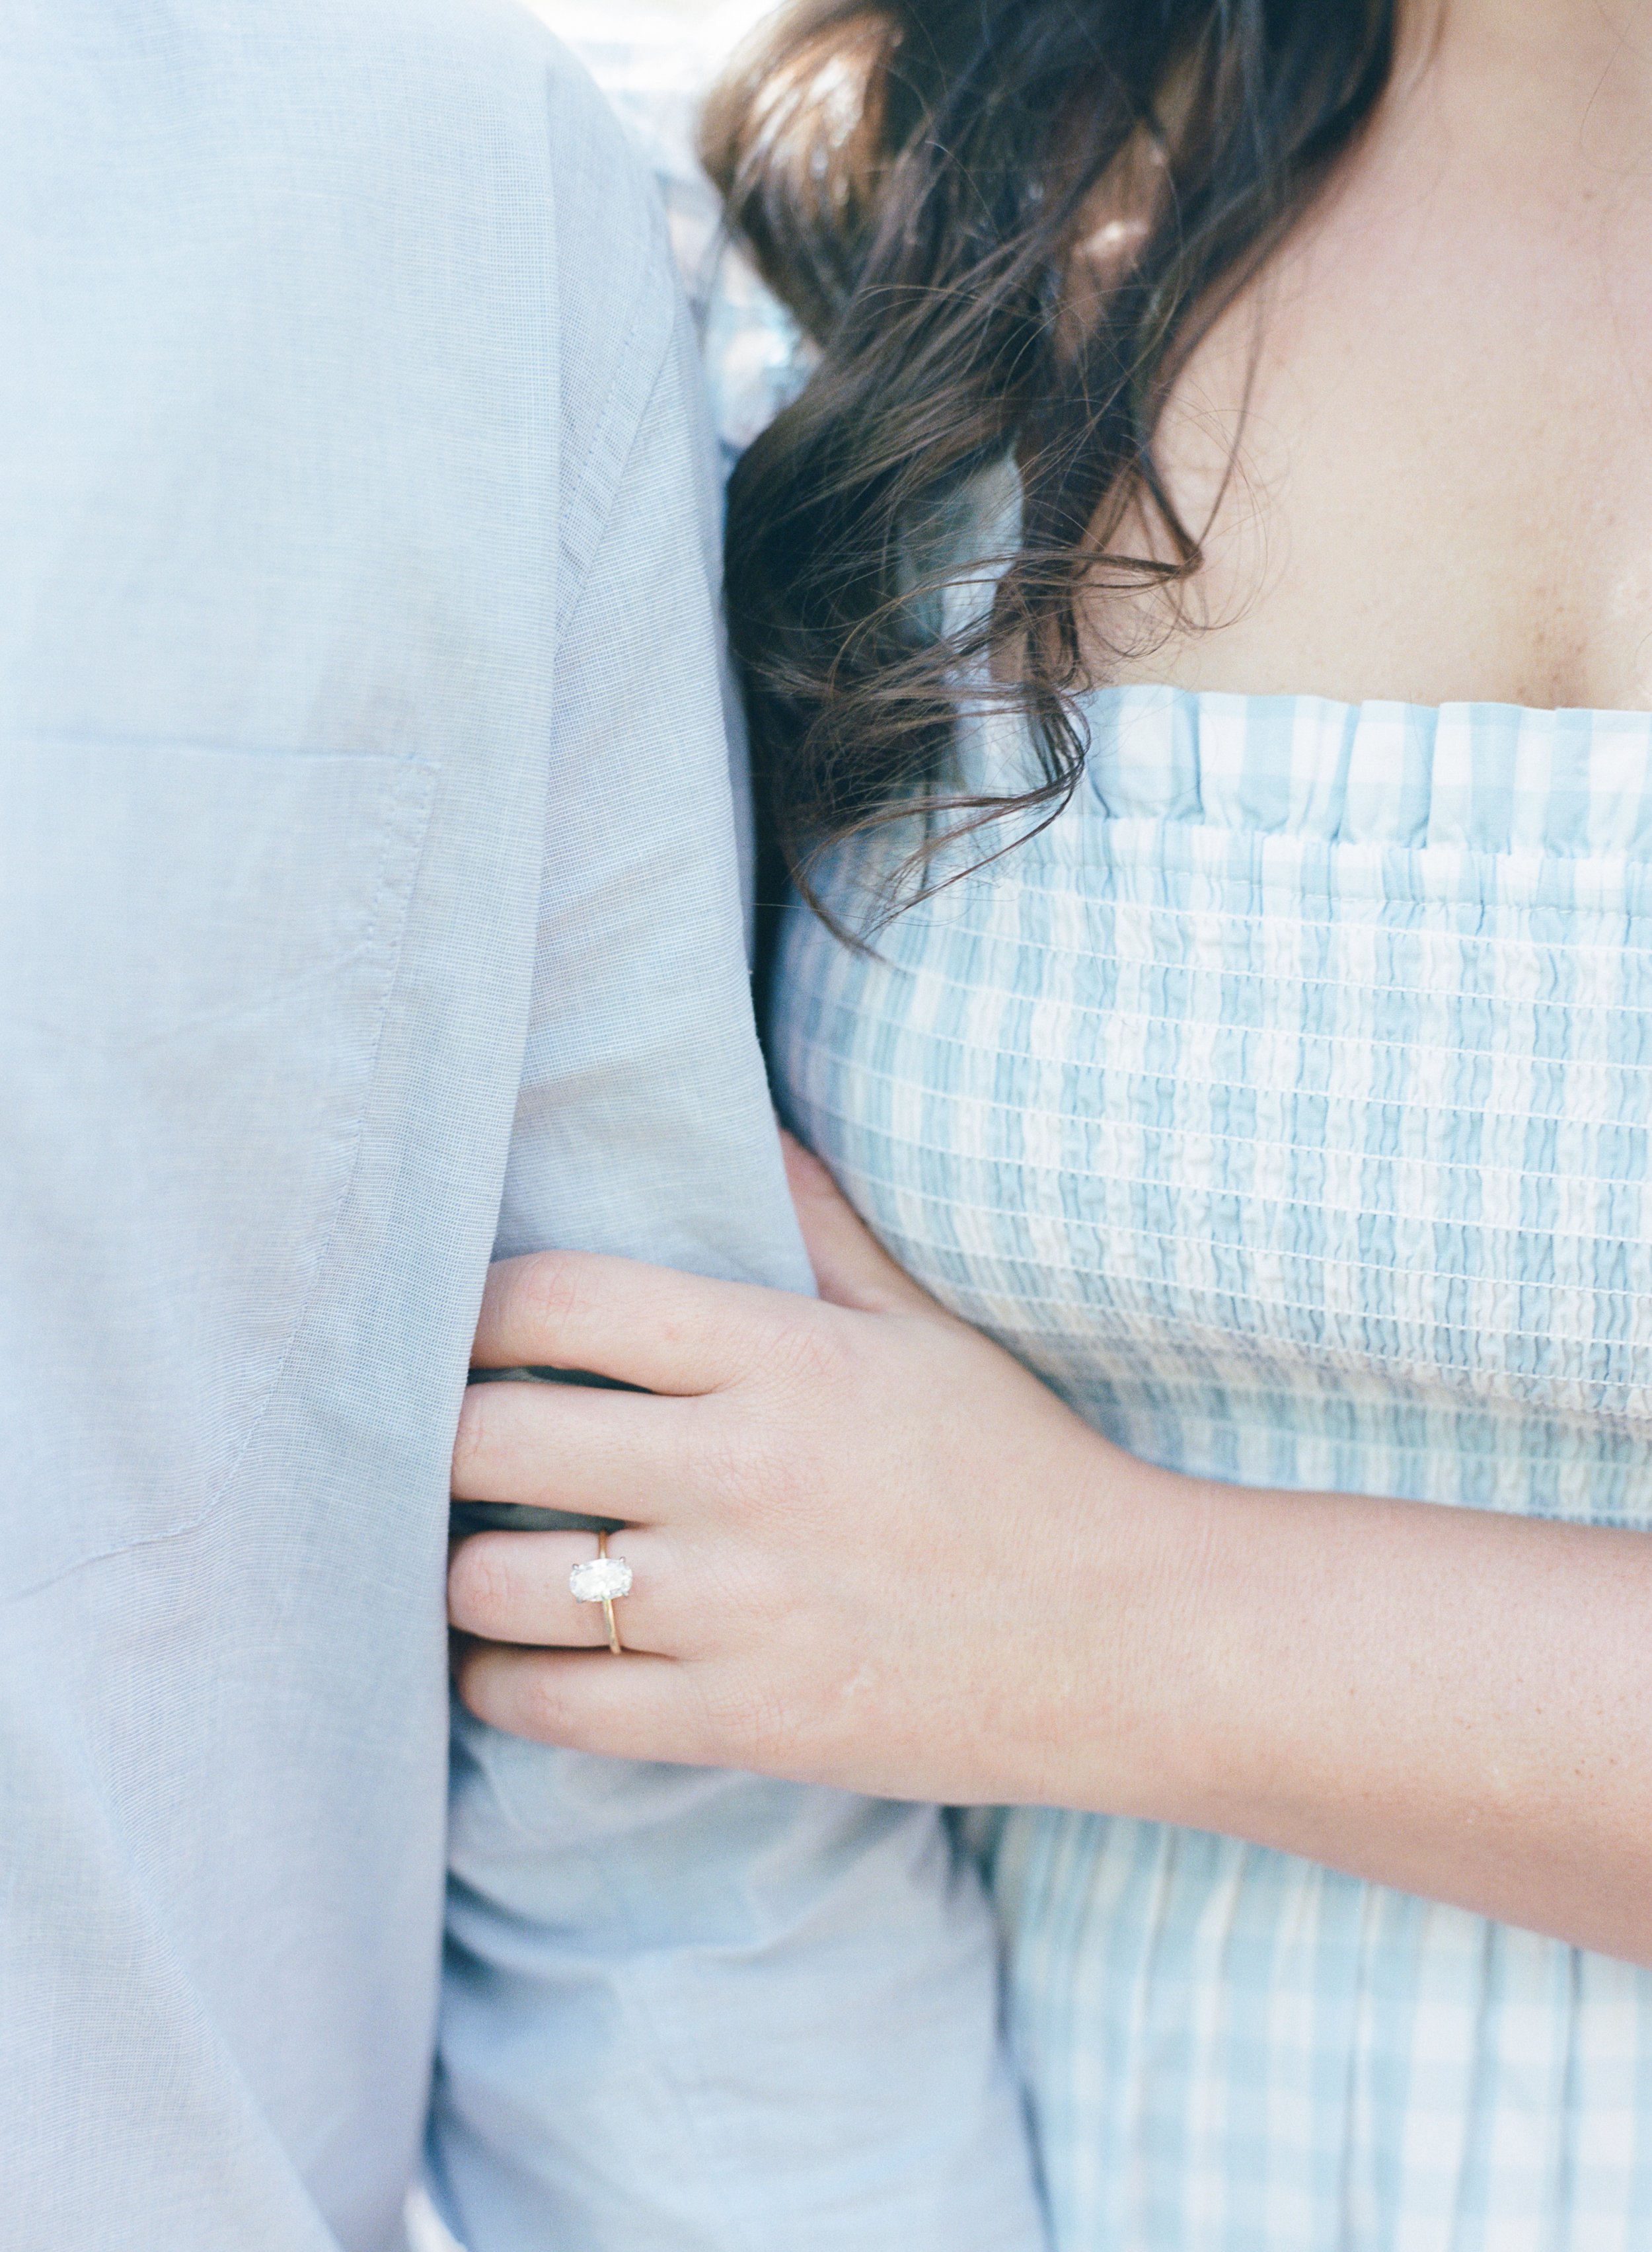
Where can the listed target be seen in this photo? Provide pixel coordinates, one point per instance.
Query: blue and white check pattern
(1286, 1105)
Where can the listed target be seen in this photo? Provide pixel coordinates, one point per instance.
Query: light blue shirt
(369, 904)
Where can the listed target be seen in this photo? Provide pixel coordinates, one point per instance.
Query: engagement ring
(602, 1579)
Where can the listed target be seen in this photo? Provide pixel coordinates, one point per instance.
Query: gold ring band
(614, 1644)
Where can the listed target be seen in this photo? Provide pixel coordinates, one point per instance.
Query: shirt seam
(619, 422)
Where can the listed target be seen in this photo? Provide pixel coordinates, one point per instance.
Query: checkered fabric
(1285, 1104)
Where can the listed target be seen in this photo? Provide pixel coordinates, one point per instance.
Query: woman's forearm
(1453, 1702)
(871, 1550)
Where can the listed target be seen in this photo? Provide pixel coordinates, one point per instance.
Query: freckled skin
(1445, 478)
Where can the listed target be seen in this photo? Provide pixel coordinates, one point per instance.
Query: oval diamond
(601, 1579)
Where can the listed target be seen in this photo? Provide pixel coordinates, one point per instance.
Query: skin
(1444, 482)
(870, 1549)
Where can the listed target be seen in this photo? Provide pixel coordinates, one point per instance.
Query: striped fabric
(1286, 1106)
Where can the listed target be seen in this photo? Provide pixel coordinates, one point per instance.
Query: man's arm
(686, 2010)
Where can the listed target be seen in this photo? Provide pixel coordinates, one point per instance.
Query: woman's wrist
(1216, 1616)
(1114, 1655)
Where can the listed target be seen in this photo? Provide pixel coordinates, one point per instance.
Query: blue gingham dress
(1286, 1106)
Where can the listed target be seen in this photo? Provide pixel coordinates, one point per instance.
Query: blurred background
(653, 58)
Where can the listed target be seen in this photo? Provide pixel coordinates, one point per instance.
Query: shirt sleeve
(690, 2010)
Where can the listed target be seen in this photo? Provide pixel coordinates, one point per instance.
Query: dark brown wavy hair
(1004, 226)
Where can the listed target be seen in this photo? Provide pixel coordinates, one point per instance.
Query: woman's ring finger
(560, 1590)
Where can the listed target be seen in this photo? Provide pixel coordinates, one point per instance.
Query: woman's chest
(1419, 460)
(1177, 1108)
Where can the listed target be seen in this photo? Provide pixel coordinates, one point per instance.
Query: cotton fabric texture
(1286, 1105)
(368, 903)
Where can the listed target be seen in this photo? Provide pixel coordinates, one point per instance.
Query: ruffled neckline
(1478, 777)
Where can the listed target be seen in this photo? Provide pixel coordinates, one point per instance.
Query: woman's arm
(870, 1549)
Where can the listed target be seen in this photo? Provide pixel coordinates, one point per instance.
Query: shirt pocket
(198, 948)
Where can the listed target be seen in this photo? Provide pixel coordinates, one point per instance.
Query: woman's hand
(868, 1548)
(871, 1550)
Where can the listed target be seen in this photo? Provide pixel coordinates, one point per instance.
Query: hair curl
(1004, 225)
